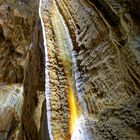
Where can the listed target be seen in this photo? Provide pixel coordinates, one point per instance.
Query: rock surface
(21, 43)
(69, 69)
(106, 66)
(11, 102)
(16, 26)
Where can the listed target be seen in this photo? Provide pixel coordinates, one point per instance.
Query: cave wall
(34, 87)
(21, 70)
(16, 24)
(105, 38)
(91, 52)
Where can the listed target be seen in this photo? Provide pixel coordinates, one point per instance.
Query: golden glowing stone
(73, 109)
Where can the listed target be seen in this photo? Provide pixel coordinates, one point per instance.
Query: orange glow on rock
(73, 109)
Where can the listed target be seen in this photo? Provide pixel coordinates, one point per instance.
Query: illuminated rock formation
(69, 70)
(61, 92)
(105, 64)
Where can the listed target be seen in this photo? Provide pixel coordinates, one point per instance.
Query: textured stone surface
(120, 123)
(105, 37)
(16, 26)
(92, 60)
(11, 102)
(21, 61)
(34, 87)
(60, 86)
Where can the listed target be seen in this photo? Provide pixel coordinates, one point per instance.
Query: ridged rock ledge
(69, 70)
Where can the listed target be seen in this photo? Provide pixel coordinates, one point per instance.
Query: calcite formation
(69, 70)
(105, 65)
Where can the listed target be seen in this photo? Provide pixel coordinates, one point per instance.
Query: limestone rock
(16, 25)
(18, 37)
(105, 63)
(11, 102)
(74, 66)
(34, 87)
(120, 123)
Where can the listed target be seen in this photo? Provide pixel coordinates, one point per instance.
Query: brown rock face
(21, 70)
(34, 87)
(16, 26)
(105, 62)
(69, 70)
